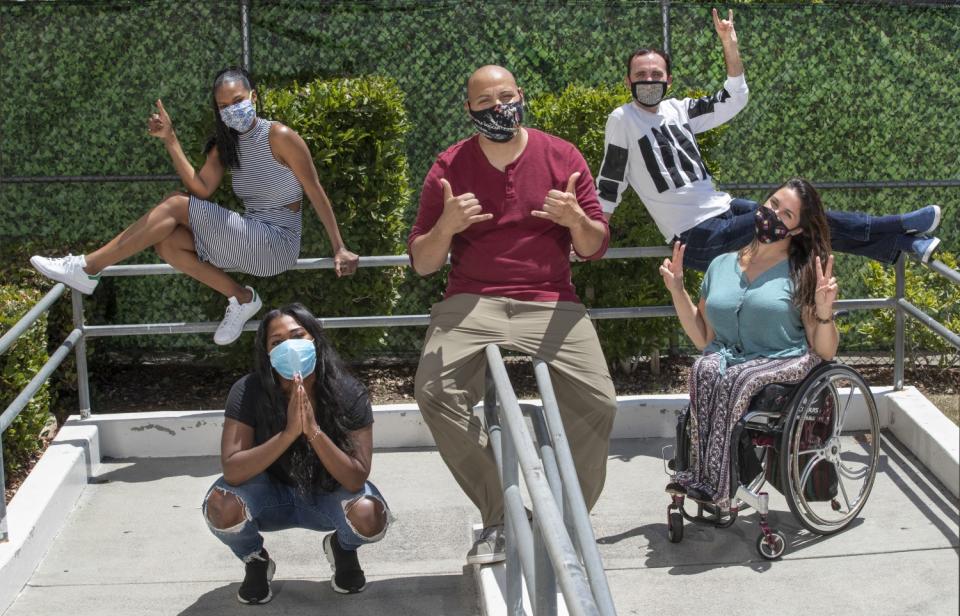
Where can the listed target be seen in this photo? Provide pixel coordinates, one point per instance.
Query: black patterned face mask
(648, 93)
(769, 227)
(499, 123)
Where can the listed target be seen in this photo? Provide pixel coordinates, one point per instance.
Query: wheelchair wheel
(830, 449)
(675, 527)
(773, 549)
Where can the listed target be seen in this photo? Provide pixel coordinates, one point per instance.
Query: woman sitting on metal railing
(765, 315)
(296, 450)
(271, 168)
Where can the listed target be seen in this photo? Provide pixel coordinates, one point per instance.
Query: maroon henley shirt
(515, 254)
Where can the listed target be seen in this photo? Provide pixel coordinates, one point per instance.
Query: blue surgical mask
(240, 116)
(294, 356)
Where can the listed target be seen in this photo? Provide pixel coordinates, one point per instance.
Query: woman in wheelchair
(764, 316)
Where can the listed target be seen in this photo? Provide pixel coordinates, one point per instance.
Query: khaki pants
(450, 381)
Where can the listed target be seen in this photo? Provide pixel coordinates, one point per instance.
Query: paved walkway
(137, 544)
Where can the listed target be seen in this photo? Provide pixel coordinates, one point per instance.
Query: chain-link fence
(839, 92)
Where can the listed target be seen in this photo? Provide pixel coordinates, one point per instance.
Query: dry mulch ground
(176, 386)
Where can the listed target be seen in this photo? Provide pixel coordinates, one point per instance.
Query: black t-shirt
(248, 395)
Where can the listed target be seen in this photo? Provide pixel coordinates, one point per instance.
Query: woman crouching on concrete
(296, 450)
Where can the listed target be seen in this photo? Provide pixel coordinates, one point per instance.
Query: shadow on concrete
(139, 470)
(401, 596)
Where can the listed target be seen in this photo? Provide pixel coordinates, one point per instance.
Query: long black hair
(305, 467)
(225, 138)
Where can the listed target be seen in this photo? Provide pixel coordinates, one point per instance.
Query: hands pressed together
(300, 416)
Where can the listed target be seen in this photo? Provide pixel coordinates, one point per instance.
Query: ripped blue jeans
(270, 505)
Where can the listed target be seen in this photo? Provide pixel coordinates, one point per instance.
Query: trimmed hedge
(17, 366)
(80, 78)
(579, 115)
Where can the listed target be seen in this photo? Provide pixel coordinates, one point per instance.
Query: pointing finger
(716, 18)
(730, 17)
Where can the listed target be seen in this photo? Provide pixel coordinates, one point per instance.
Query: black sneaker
(256, 582)
(347, 576)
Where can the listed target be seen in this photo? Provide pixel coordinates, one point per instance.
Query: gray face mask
(648, 93)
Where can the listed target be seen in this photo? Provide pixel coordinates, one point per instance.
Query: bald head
(489, 85)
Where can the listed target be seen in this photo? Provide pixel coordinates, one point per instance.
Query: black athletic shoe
(347, 575)
(256, 582)
(675, 488)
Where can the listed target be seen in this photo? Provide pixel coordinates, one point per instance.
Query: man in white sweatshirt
(650, 144)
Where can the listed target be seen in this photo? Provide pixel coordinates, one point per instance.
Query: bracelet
(316, 433)
(823, 321)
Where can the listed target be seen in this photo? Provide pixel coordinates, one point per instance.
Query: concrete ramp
(137, 544)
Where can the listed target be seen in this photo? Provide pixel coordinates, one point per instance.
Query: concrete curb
(43, 503)
(927, 432)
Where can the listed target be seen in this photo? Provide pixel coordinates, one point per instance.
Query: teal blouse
(752, 319)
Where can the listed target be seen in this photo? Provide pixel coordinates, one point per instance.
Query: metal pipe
(575, 502)
(941, 268)
(827, 185)
(510, 480)
(18, 404)
(930, 322)
(4, 536)
(570, 573)
(545, 582)
(81, 179)
(898, 339)
(512, 500)
(245, 35)
(665, 18)
(83, 378)
(7, 340)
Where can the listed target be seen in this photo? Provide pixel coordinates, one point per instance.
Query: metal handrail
(904, 307)
(78, 341)
(513, 445)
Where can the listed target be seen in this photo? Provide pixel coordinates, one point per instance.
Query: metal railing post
(545, 581)
(665, 17)
(245, 35)
(571, 576)
(583, 530)
(3, 498)
(515, 519)
(83, 382)
(898, 343)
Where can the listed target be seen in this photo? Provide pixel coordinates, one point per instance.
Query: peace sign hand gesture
(159, 124)
(672, 270)
(725, 27)
(826, 293)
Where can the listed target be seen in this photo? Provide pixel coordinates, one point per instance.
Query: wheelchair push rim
(830, 450)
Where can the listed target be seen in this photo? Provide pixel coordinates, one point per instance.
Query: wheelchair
(817, 442)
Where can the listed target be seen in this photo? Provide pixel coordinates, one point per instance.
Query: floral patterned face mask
(769, 227)
(240, 116)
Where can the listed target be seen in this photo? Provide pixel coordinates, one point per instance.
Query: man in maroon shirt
(507, 204)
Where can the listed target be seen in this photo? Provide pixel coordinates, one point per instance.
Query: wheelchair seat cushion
(772, 398)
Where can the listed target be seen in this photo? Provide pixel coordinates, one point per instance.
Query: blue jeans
(851, 232)
(270, 505)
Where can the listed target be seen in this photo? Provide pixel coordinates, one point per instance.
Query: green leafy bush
(925, 289)
(579, 115)
(17, 366)
(355, 129)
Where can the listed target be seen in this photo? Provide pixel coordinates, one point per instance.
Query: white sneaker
(68, 270)
(237, 314)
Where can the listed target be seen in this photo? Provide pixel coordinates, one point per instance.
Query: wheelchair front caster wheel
(772, 548)
(675, 527)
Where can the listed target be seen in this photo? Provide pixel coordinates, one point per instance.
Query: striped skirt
(261, 243)
(718, 399)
